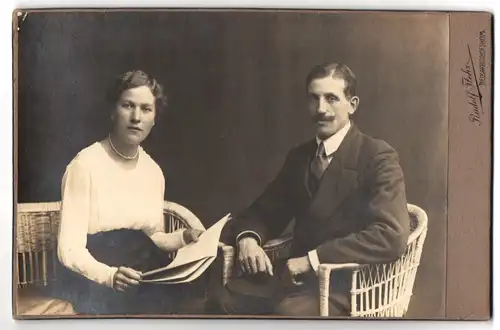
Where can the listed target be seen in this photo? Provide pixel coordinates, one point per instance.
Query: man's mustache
(324, 118)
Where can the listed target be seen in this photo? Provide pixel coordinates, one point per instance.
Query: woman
(112, 225)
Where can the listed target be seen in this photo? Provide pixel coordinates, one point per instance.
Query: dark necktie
(318, 166)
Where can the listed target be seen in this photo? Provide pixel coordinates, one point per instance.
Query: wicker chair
(378, 290)
(36, 229)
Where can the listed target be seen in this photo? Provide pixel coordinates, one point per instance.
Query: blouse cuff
(183, 242)
(111, 277)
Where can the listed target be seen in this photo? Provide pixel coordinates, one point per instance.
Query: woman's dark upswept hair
(133, 79)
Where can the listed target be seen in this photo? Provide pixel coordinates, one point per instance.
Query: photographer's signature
(472, 82)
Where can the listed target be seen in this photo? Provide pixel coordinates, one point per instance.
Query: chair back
(35, 256)
(384, 290)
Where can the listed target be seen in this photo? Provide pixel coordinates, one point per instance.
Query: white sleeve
(75, 212)
(155, 221)
(168, 242)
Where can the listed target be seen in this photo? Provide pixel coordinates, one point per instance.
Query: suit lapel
(338, 179)
(304, 166)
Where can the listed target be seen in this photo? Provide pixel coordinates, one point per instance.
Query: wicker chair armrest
(327, 268)
(324, 274)
(226, 249)
(228, 256)
(188, 218)
(278, 243)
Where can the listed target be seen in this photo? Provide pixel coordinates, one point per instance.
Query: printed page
(206, 246)
(191, 277)
(176, 273)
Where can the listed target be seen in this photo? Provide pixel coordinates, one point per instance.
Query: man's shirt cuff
(250, 233)
(314, 260)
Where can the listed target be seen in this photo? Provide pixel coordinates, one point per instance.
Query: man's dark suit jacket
(359, 213)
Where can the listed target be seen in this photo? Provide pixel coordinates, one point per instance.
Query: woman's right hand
(191, 235)
(126, 278)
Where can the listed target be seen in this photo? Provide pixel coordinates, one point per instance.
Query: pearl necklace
(119, 153)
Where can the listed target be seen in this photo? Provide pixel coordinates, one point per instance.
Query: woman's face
(134, 115)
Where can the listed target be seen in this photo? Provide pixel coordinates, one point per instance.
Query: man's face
(329, 106)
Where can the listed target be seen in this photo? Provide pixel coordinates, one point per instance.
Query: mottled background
(236, 89)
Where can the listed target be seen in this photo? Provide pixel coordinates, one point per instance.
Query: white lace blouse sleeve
(75, 213)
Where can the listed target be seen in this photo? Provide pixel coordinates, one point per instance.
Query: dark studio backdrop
(236, 91)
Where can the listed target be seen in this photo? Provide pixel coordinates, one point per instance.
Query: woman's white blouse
(99, 194)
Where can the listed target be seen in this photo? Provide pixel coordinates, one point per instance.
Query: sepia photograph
(231, 163)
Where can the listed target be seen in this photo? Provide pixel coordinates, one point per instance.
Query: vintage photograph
(231, 163)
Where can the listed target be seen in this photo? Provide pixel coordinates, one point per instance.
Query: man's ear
(354, 102)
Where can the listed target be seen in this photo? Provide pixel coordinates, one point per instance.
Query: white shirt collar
(334, 141)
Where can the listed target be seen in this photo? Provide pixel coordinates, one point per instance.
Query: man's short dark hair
(335, 70)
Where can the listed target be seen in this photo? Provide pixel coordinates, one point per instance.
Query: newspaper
(191, 260)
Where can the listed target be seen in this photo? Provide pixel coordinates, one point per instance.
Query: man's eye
(331, 99)
(147, 109)
(127, 105)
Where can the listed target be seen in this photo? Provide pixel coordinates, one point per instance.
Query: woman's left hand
(191, 235)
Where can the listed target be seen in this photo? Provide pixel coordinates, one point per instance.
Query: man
(345, 191)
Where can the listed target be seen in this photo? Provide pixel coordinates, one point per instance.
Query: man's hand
(191, 235)
(298, 266)
(126, 278)
(252, 257)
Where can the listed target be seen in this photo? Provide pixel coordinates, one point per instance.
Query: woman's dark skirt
(134, 249)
